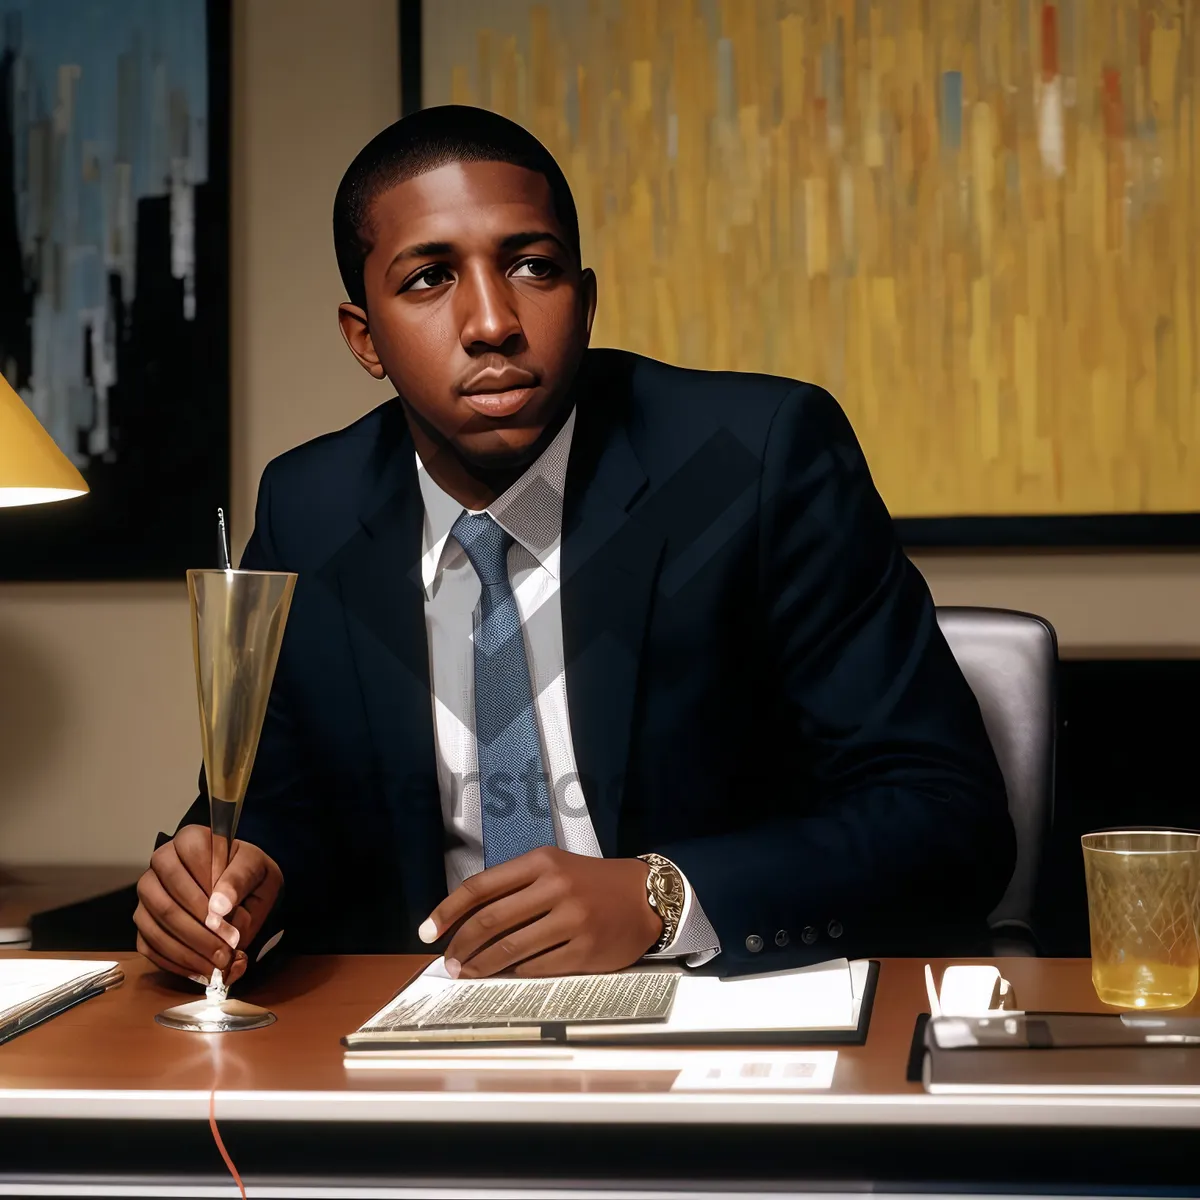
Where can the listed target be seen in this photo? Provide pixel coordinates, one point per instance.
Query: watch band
(664, 893)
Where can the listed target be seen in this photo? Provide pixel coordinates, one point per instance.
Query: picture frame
(1082, 530)
(137, 208)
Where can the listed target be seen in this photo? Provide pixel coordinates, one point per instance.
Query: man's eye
(431, 277)
(535, 268)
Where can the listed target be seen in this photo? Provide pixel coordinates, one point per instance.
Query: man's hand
(548, 913)
(182, 930)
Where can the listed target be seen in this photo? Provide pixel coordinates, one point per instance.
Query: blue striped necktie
(513, 791)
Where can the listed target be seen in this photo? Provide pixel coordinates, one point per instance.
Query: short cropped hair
(421, 142)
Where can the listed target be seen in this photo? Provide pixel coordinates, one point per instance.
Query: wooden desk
(127, 1094)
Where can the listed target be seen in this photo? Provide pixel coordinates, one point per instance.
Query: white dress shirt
(531, 511)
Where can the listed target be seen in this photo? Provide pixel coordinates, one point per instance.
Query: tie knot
(486, 544)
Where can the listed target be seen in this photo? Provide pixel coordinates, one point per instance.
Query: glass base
(216, 1016)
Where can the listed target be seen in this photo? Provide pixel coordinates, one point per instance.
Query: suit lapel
(610, 560)
(377, 578)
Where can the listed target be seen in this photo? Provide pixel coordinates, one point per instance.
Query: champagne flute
(238, 619)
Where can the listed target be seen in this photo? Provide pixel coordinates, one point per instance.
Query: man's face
(477, 310)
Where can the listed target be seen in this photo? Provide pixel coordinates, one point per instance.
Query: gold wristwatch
(664, 891)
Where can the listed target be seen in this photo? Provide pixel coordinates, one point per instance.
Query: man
(559, 609)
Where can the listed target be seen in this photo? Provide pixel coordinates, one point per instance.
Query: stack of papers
(34, 989)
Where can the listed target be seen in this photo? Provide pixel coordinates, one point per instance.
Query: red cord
(212, 1124)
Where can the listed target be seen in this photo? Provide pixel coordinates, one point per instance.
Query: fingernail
(428, 931)
(222, 959)
(233, 937)
(219, 903)
(453, 967)
(213, 922)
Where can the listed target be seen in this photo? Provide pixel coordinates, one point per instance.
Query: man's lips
(499, 392)
(499, 404)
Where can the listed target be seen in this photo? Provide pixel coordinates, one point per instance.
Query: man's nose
(487, 314)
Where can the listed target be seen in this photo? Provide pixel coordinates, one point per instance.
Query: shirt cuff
(695, 940)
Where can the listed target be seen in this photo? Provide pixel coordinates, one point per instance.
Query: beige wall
(98, 742)
(1103, 605)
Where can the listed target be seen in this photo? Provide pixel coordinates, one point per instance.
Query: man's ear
(588, 280)
(356, 331)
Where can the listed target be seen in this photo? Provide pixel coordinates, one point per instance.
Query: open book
(646, 1004)
(33, 990)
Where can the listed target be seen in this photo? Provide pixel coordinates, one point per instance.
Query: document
(811, 998)
(772, 1071)
(529, 1002)
(33, 989)
(644, 1004)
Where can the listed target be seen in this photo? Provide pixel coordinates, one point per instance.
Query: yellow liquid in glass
(1143, 984)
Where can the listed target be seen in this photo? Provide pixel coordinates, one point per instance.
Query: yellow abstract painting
(977, 222)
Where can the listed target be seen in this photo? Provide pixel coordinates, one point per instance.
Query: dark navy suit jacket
(757, 687)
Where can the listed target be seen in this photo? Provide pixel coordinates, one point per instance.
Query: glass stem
(223, 817)
(223, 820)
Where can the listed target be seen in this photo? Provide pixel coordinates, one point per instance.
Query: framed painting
(974, 221)
(114, 276)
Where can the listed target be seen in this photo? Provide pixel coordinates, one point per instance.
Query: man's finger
(480, 889)
(174, 876)
(193, 845)
(259, 905)
(246, 871)
(163, 964)
(237, 970)
(562, 960)
(513, 948)
(498, 918)
(168, 915)
(227, 932)
(245, 923)
(173, 950)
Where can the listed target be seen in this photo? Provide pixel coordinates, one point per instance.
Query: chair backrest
(1010, 660)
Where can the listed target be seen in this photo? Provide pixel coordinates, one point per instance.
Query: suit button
(754, 943)
(809, 935)
(835, 929)
(781, 938)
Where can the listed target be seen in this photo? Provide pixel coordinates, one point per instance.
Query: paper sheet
(817, 997)
(697, 1069)
(824, 996)
(769, 1071)
(24, 981)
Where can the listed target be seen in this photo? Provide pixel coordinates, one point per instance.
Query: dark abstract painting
(114, 276)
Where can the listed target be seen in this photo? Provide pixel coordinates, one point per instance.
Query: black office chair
(1010, 660)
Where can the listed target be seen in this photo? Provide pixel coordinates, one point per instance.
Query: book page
(26, 981)
(817, 997)
(821, 997)
(572, 998)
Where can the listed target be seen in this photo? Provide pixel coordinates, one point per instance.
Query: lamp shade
(33, 470)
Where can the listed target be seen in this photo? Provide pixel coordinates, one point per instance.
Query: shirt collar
(530, 509)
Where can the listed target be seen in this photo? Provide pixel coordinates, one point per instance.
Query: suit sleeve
(900, 823)
(279, 814)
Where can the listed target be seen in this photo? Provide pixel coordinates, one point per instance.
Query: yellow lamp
(33, 470)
